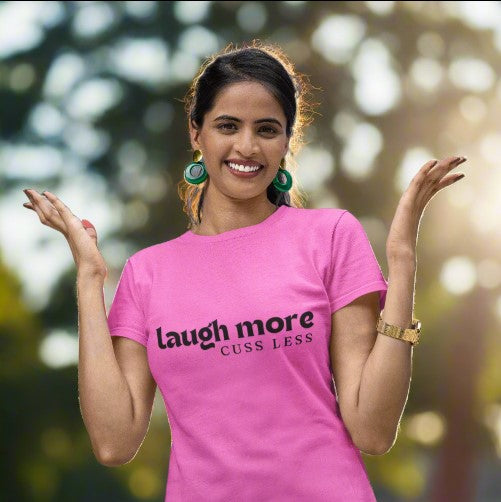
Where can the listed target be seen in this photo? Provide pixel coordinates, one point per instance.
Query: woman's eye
(227, 126)
(231, 127)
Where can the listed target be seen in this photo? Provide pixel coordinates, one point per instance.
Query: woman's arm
(116, 389)
(386, 374)
(372, 372)
(105, 398)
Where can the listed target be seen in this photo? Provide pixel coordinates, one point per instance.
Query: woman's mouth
(243, 171)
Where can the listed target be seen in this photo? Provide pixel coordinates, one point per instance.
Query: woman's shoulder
(154, 252)
(318, 216)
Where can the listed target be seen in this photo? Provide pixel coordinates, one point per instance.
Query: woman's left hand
(430, 179)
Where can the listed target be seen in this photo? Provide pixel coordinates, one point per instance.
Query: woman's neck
(222, 217)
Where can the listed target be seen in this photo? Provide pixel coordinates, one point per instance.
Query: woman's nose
(246, 143)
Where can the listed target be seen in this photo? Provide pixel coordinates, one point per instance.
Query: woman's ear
(194, 136)
(286, 148)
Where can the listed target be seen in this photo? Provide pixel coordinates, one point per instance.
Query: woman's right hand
(82, 240)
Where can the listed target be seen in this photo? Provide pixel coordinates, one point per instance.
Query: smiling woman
(288, 293)
(241, 376)
(246, 110)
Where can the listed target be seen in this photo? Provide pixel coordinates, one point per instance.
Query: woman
(259, 324)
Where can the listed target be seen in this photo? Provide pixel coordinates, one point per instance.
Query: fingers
(46, 211)
(445, 165)
(434, 170)
(69, 219)
(88, 224)
(90, 229)
(39, 205)
(437, 176)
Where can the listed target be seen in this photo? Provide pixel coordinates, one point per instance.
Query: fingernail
(88, 224)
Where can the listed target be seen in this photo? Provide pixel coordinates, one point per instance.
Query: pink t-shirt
(237, 328)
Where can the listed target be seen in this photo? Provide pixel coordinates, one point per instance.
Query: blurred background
(90, 109)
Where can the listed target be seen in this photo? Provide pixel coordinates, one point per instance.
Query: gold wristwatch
(407, 334)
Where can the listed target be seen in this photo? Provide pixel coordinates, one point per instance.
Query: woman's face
(246, 125)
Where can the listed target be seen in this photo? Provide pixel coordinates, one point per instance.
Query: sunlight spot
(184, 66)
(427, 427)
(64, 72)
(86, 141)
(30, 162)
(458, 275)
(315, 166)
(358, 154)
(115, 253)
(131, 156)
(381, 8)
(480, 15)
(252, 16)
(46, 120)
(472, 108)
(93, 18)
(377, 87)
(93, 98)
(471, 74)
(198, 41)
(343, 124)
(59, 349)
(431, 45)
(19, 30)
(142, 9)
(412, 162)
(145, 61)
(191, 12)
(337, 36)
(427, 73)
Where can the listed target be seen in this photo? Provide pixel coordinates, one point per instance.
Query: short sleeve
(126, 315)
(354, 270)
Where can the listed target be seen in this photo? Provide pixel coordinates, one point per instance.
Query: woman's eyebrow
(267, 119)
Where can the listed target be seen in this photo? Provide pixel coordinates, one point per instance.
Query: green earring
(195, 172)
(283, 180)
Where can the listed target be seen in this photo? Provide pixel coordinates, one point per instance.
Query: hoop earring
(283, 180)
(195, 172)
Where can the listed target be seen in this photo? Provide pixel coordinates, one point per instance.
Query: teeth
(245, 169)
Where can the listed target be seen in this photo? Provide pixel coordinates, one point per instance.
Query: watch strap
(411, 334)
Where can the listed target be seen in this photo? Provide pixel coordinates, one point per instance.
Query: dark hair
(256, 62)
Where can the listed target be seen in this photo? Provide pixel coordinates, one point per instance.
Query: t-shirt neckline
(189, 236)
